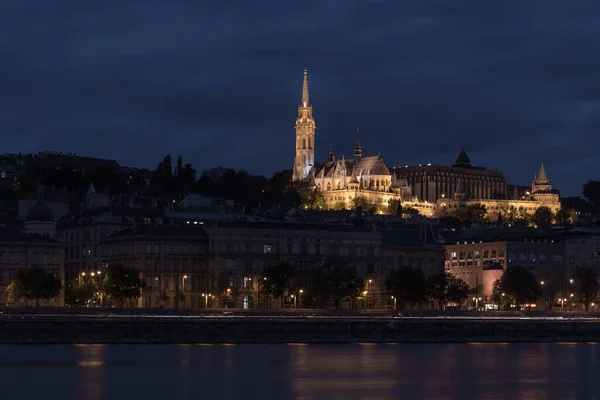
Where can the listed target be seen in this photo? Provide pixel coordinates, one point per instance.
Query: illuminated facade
(305, 135)
(433, 190)
(541, 195)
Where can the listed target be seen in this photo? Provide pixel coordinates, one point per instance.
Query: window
(22, 258)
(247, 282)
(12, 258)
(54, 258)
(167, 248)
(175, 248)
(229, 264)
(1, 276)
(267, 249)
(35, 258)
(247, 265)
(370, 269)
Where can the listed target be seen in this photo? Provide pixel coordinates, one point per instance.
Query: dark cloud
(515, 83)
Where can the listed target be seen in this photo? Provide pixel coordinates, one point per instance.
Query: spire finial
(331, 153)
(305, 99)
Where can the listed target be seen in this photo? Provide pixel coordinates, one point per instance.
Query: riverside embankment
(138, 330)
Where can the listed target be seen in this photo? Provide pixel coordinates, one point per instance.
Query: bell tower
(305, 135)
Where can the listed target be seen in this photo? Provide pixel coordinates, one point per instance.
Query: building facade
(305, 135)
(551, 255)
(431, 183)
(173, 261)
(540, 194)
(19, 250)
(241, 251)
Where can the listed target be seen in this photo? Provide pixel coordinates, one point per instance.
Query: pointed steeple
(542, 179)
(91, 189)
(305, 98)
(462, 160)
(395, 183)
(357, 146)
(331, 156)
(354, 178)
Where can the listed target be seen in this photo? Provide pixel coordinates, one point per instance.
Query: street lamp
(394, 298)
(300, 296)
(294, 298)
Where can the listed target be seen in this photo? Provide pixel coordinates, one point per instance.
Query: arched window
(328, 185)
(303, 143)
(304, 160)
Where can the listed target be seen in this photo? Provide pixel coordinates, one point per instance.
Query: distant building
(173, 261)
(20, 250)
(241, 251)
(540, 194)
(552, 255)
(433, 182)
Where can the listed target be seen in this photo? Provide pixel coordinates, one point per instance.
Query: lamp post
(394, 298)
(300, 296)
(544, 293)
(294, 298)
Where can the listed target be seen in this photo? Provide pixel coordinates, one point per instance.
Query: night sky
(513, 82)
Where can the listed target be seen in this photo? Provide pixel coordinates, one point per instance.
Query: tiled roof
(160, 231)
(13, 234)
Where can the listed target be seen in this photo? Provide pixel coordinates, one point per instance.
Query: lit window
(267, 249)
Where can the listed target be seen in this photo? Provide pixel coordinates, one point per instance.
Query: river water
(294, 371)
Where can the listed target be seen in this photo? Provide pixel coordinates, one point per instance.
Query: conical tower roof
(463, 159)
(542, 177)
(305, 98)
(353, 178)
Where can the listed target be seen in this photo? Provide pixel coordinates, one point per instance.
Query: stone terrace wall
(79, 330)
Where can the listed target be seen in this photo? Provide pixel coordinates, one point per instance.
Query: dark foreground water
(403, 371)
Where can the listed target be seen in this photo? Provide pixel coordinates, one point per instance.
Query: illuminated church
(438, 191)
(342, 180)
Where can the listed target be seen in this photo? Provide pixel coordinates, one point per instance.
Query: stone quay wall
(397, 330)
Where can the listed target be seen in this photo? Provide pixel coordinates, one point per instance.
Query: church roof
(372, 165)
(39, 212)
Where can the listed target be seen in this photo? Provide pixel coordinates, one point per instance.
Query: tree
(543, 217)
(408, 285)
(445, 288)
(121, 283)
(473, 213)
(591, 191)
(518, 286)
(310, 197)
(34, 284)
(339, 206)
(564, 216)
(499, 195)
(276, 280)
(78, 294)
(409, 212)
(586, 279)
(364, 203)
(335, 282)
(394, 207)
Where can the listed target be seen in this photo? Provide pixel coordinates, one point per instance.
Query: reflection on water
(297, 371)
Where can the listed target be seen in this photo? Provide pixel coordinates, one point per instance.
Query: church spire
(542, 178)
(331, 156)
(357, 147)
(305, 136)
(305, 99)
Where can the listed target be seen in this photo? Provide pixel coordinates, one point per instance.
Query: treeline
(335, 284)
